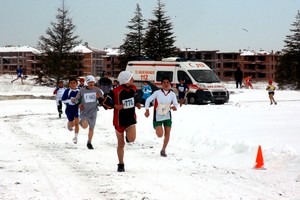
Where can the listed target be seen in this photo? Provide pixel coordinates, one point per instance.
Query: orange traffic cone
(259, 159)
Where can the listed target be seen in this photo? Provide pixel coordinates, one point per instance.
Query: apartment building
(261, 65)
(12, 57)
(92, 59)
(112, 61)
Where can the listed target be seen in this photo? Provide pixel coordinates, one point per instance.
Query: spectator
(105, 83)
(238, 76)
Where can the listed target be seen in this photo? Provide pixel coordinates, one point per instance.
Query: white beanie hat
(124, 77)
(90, 78)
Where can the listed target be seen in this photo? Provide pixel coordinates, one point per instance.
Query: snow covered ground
(211, 153)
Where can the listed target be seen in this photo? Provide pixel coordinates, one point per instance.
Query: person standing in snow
(124, 119)
(182, 90)
(19, 75)
(147, 90)
(165, 101)
(88, 97)
(238, 76)
(271, 91)
(72, 108)
(58, 92)
(105, 84)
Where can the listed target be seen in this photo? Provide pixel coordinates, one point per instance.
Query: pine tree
(159, 39)
(288, 71)
(132, 46)
(59, 61)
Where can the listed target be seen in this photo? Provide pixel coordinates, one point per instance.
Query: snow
(19, 49)
(211, 152)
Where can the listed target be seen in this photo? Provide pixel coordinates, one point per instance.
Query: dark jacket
(238, 74)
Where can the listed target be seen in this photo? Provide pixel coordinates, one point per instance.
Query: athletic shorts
(165, 123)
(122, 129)
(91, 121)
(271, 93)
(72, 112)
(181, 95)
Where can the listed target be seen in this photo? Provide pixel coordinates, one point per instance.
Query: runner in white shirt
(164, 101)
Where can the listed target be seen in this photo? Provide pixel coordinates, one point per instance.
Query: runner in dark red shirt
(124, 113)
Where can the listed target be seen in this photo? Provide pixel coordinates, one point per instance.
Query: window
(204, 76)
(161, 74)
(261, 67)
(261, 75)
(183, 75)
(228, 74)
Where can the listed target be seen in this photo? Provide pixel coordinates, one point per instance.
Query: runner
(124, 113)
(81, 83)
(72, 108)
(87, 97)
(58, 92)
(19, 71)
(271, 91)
(165, 101)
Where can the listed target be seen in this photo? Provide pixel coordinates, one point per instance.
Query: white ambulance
(204, 85)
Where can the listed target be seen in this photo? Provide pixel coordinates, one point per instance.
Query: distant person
(238, 76)
(248, 83)
(40, 78)
(72, 111)
(165, 101)
(81, 83)
(115, 84)
(19, 71)
(147, 91)
(58, 92)
(182, 91)
(88, 98)
(105, 83)
(271, 91)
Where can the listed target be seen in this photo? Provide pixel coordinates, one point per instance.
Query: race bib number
(181, 89)
(90, 97)
(128, 103)
(163, 109)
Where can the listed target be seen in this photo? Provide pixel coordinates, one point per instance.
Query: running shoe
(121, 168)
(89, 146)
(75, 140)
(163, 153)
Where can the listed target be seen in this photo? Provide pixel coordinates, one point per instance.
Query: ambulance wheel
(192, 99)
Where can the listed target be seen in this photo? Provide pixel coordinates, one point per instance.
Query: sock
(76, 135)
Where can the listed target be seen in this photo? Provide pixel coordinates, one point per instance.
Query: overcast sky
(227, 25)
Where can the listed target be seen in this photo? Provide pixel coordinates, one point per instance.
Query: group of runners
(82, 106)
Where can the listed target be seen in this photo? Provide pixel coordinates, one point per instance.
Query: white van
(205, 86)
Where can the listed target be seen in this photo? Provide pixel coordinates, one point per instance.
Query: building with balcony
(112, 61)
(12, 57)
(92, 59)
(261, 65)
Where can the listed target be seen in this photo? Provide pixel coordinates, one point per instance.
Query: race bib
(163, 109)
(181, 89)
(128, 103)
(89, 97)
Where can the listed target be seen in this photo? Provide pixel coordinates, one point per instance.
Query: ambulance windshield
(204, 76)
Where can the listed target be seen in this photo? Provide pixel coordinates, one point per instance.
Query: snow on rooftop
(82, 49)
(19, 49)
(112, 51)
